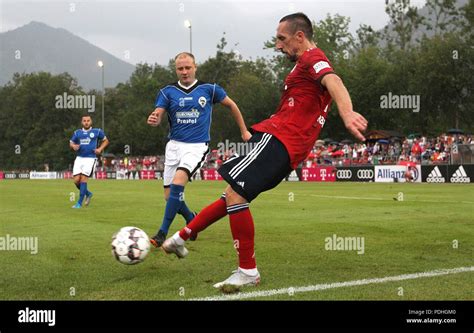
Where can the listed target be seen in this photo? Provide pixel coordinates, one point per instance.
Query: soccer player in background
(85, 143)
(188, 104)
(281, 142)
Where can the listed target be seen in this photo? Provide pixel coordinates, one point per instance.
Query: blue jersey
(190, 110)
(88, 141)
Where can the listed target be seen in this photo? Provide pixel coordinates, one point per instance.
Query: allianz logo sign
(361, 174)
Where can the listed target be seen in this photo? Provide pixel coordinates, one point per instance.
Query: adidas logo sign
(435, 176)
(460, 176)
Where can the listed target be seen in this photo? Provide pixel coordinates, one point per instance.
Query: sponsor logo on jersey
(319, 66)
(85, 141)
(435, 176)
(187, 117)
(460, 176)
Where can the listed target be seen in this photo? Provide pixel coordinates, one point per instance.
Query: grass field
(400, 237)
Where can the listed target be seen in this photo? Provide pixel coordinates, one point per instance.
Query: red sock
(205, 218)
(241, 225)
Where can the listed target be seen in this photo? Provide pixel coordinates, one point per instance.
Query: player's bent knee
(233, 198)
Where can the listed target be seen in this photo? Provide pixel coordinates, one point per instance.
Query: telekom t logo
(305, 174)
(322, 173)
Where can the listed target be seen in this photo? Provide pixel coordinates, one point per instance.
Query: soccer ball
(130, 245)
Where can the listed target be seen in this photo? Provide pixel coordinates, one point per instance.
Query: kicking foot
(171, 246)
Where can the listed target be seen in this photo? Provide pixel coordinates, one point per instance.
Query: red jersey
(303, 106)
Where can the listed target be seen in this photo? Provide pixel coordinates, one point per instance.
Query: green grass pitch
(74, 260)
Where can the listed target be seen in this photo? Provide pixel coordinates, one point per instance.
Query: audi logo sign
(355, 174)
(365, 174)
(344, 174)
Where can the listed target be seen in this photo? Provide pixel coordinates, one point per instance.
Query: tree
(34, 130)
(444, 13)
(403, 23)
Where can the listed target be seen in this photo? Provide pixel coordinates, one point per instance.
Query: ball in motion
(130, 245)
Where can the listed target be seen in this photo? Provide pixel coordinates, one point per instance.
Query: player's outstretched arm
(354, 122)
(154, 119)
(234, 109)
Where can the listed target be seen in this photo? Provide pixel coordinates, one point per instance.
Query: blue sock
(186, 213)
(82, 193)
(173, 206)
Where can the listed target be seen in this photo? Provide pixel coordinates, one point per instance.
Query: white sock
(249, 272)
(178, 239)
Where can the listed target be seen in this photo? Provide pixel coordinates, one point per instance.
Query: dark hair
(299, 22)
(86, 115)
(186, 54)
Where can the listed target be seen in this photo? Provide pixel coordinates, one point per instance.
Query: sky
(154, 31)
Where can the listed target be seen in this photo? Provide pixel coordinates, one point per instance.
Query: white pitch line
(384, 199)
(294, 290)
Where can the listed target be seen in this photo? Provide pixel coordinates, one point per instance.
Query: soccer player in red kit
(280, 143)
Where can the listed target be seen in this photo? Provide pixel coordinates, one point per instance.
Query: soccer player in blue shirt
(85, 143)
(188, 104)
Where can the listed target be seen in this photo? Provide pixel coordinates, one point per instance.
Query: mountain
(40, 47)
(429, 17)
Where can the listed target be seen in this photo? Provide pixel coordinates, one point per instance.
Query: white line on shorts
(317, 287)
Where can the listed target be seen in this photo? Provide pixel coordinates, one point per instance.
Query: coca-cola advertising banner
(319, 174)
